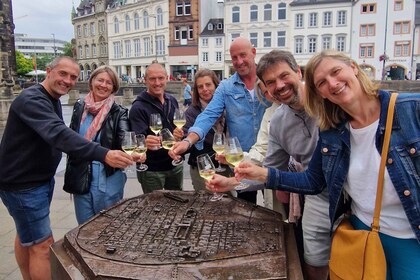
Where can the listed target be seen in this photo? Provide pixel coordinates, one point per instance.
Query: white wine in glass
(206, 170)
(155, 123)
(179, 118)
(234, 155)
(129, 144)
(141, 149)
(219, 147)
(168, 141)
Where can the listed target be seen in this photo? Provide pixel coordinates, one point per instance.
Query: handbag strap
(385, 147)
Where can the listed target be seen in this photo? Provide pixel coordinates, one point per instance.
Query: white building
(211, 47)
(30, 46)
(137, 35)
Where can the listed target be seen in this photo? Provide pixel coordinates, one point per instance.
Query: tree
(23, 65)
(43, 60)
(68, 49)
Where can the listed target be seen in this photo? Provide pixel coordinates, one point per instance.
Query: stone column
(74, 95)
(128, 96)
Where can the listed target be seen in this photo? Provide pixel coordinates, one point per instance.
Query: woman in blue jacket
(352, 114)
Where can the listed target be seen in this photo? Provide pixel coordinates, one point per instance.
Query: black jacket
(112, 129)
(140, 112)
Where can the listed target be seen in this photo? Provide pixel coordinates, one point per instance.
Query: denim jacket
(330, 162)
(243, 114)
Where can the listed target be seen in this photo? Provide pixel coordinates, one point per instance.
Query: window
(327, 19)
(80, 52)
(127, 44)
(313, 17)
(253, 14)
(299, 21)
(281, 38)
(145, 19)
(366, 50)
(205, 57)
(219, 26)
(341, 18)
(147, 47)
(159, 17)
(93, 50)
(190, 32)
(87, 51)
(267, 39)
(235, 35)
(116, 26)
(160, 44)
(177, 32)
(85, 30)
(311, 44)
(402, 48)
(402, 27)
(253, 38)
(137, 47)
(101, 24)
(341, 43)
(267, 12)
(367, 30)
(298, 45)
(117, 50)
(136, 21)
(326, 42)
(92, 29)
(369, 8)
(79, 31)
(219, 42)
(398, 5)
(205, 42)
(127, 23)
(218, 56)
(281, 11)
(183, 8)
(235, 14)
(210, 26)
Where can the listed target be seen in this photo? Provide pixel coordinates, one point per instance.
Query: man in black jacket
(161, 174)
(30, 151)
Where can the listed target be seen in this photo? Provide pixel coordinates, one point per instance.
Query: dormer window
(210, 26)
(219, 26)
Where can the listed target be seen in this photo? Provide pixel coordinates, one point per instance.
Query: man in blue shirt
(187, 93)
(236, 96)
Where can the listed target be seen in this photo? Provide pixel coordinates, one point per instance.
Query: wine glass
(219, 147)
(179, 118)
(141, 149)
(206, 170)
(234, 155)
(155, 123)
(168, 141)
(129, 144)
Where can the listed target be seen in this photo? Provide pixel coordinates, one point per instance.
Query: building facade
(31, 46)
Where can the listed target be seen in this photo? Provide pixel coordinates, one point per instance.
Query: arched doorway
(395, 72)
(369, 70)
(88, 71)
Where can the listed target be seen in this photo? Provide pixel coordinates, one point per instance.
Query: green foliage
(43, 60)
(68, 49)
(23, 65)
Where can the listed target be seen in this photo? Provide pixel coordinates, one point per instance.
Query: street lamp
(55, 49)
(384, 57)
(156, 48)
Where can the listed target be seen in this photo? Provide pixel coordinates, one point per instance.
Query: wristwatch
(189, 142)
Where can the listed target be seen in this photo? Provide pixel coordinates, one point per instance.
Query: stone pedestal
(6, 98)
(74, 95)
(128, 97)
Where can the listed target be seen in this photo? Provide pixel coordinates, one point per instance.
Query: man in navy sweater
(30, 151)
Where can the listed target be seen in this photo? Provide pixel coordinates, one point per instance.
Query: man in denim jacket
(244, 111)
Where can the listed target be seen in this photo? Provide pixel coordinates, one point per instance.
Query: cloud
(42, 18)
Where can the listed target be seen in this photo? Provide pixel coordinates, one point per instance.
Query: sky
(42, 18)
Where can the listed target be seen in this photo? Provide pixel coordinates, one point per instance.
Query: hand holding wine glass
(155, 126)
(219, 147)
(179, 118)
(168, 141)
(206, 170)
(234, 155)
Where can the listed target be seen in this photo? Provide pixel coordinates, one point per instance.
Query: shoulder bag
(358, 254)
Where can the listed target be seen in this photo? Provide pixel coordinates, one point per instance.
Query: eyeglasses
(306, 130)
(107, 82)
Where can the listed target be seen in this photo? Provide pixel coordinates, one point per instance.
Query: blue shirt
(187, 92)
(243, 113)
(330, 162)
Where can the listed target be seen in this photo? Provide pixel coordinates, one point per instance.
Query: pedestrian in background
(187, 93)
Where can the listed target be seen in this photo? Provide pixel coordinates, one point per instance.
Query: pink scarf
(99, 109)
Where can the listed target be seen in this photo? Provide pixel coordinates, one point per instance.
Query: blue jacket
(243, 114)
(330, 162)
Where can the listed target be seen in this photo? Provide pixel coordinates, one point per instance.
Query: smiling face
(156, 79)
(205, 88)
(61, 78)
(243, 56)
(337, 81)
(102, 86)
(284, 84)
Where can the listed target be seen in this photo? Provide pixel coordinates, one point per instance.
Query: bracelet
(189, 142)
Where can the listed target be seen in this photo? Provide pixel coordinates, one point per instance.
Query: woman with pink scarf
(99, 119)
